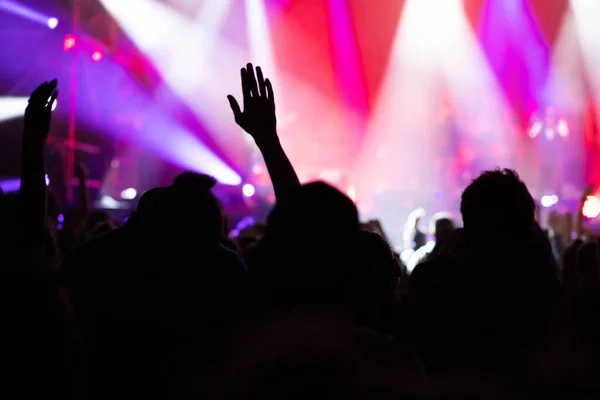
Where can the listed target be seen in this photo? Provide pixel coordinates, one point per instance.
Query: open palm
(258, 117)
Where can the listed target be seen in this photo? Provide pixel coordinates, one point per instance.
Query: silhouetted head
(187, 212)
(497, 205)
(441, 224)
(311, 240)
(316, 215)
(148, 199)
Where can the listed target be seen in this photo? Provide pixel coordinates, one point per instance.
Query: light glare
(591, 207)
(248, 190)
(129, 194)
(52, 23)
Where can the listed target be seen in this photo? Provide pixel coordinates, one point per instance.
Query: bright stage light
(199, 69)
(52, 23)
(109, 203)
(591, 207)
(69, 43)
(588, 31)
(260, 42)
(129, 194)
(248, 190)
(12, 107)
(97, 56)
(25, 12)
(549, 201)
(535, 129)
(437, 64)
(204, 67)
(563, 128)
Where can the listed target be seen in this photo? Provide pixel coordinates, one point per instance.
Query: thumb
(235, 107)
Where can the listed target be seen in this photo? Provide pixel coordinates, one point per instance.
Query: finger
(252, 80)
(39, 91)
(235, 107)
(270, 94)
(52, 99)
(245, 88)
(261, 82)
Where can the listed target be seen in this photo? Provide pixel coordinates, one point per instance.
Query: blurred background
(397, 103)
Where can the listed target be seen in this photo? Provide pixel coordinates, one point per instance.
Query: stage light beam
(12, 107)
(588, 31)
(29, 13)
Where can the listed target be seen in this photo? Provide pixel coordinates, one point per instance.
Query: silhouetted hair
(318, 210)
(195, 181)
(309, 244)
(441, 223)
(189, 211)
(497, 204)
(148, 199)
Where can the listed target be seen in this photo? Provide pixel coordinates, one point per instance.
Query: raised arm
(81, 173)
(258, 119)
(32, 194)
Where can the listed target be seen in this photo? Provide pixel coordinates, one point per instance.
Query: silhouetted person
(376, 281)
(500, 291)
(308, 249)
(165, 281)
(439, 226)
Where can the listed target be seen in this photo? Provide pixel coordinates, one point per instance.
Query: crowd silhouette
(311, 303)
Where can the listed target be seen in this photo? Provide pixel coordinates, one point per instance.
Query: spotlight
(47, 180)
(591, 207)
(109, 203)
(563, 128)
(129, 194)
(97, 56)
(549, 201)
(248, 190)
(52, 23)
(535, 129)
(69, 43)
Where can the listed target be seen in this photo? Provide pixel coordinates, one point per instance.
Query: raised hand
(38, 113)
(258, 117)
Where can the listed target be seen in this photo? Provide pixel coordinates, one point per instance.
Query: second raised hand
(258, 117)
